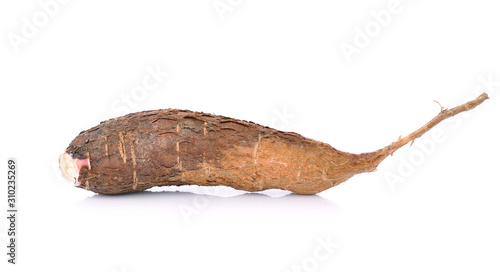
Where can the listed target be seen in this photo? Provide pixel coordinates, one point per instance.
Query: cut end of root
(70, 167)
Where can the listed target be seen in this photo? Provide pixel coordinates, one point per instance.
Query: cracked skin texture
(177, 147)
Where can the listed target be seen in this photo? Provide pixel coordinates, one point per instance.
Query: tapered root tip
(381, 154)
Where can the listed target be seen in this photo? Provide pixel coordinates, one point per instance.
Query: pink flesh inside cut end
(70, 167)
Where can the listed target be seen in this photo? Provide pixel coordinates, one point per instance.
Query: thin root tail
(379, 155)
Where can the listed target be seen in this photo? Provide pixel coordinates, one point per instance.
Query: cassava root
(178, 147)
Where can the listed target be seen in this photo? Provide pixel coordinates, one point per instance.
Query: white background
(431, 207)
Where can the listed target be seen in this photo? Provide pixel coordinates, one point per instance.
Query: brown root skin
(373, 159)
(178, 147)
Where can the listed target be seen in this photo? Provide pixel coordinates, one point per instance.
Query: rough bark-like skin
(175, 147)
